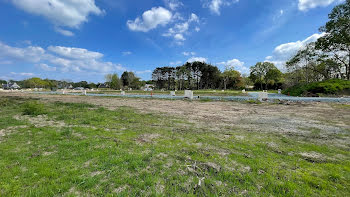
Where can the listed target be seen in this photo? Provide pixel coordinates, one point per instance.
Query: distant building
(103, 85)
(148, 87)
(11, 86)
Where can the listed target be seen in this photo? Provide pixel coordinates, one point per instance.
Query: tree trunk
(348, 68)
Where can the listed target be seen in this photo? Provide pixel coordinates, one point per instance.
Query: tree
(337, 38)
(265, 73)
(231, 78)
(113, 81)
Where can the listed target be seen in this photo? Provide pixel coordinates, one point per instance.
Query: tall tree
(265, 73)
(113, 81)
(337, 37)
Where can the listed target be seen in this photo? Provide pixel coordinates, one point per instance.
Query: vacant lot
(75, 145)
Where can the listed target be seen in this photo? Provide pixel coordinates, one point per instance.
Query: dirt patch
(313, 157)
(40, 121)
(147, 138)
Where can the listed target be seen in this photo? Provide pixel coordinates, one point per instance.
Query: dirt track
(293, 119)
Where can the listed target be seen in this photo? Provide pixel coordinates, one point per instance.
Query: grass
(82, 149)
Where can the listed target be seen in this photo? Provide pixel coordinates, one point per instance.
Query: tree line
(196, 75)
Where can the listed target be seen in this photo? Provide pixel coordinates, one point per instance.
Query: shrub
(33, 108)
(4, 102)
(328, 87)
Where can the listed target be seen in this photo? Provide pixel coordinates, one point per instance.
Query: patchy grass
(122, 152)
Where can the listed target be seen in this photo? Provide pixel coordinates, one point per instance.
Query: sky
(86, 39)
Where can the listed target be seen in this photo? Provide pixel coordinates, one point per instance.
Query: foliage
(33, 108)
(328, 87)
(113, 81)
(266, 74)
(195, 75)
(232, 78)
(129, 80)
(337, 38)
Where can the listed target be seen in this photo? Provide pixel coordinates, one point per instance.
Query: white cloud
(64, 32)
(69, 13)
(284, 52)
(188, 53)
(46, 67)
(150, 19)
(179, 37)
(22, 74)
(28, 54)
(305, 5)
(197, 59)
(75, 53)
(180, 29)
(215, 5)
(236, 65)
(173, 4)
(65, 59)
(125, 53)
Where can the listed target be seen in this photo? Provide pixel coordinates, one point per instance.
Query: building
(148, 87)
(11, 86)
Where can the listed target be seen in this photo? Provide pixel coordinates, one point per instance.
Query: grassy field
(50, 148)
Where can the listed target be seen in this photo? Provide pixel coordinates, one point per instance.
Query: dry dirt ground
(297, 119)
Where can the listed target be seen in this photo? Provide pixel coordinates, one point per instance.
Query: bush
(4, 102)
(33, 108)
(328, 87)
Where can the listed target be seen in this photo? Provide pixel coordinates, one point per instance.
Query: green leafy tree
(113, 81)
(265, 73)
(337, 38)
(231, 78)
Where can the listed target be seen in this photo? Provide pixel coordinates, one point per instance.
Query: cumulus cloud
(150, 19)
(46, 67)
(284, 52)
(173, 4)
(197, 59)
(29, 54)
(180, 29)
(236, 65)
(54, 58)
(74, 53)
(64, 32)
(215, 5)
(69, 13)
(305, 5)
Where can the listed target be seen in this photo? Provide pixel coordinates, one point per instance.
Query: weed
(33, 108)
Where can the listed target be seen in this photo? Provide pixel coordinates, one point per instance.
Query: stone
(172, 93)
(188, 94)
(262, 96)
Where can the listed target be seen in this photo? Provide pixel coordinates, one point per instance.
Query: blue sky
(86, 39)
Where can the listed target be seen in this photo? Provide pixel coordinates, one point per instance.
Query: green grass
(82, 149)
